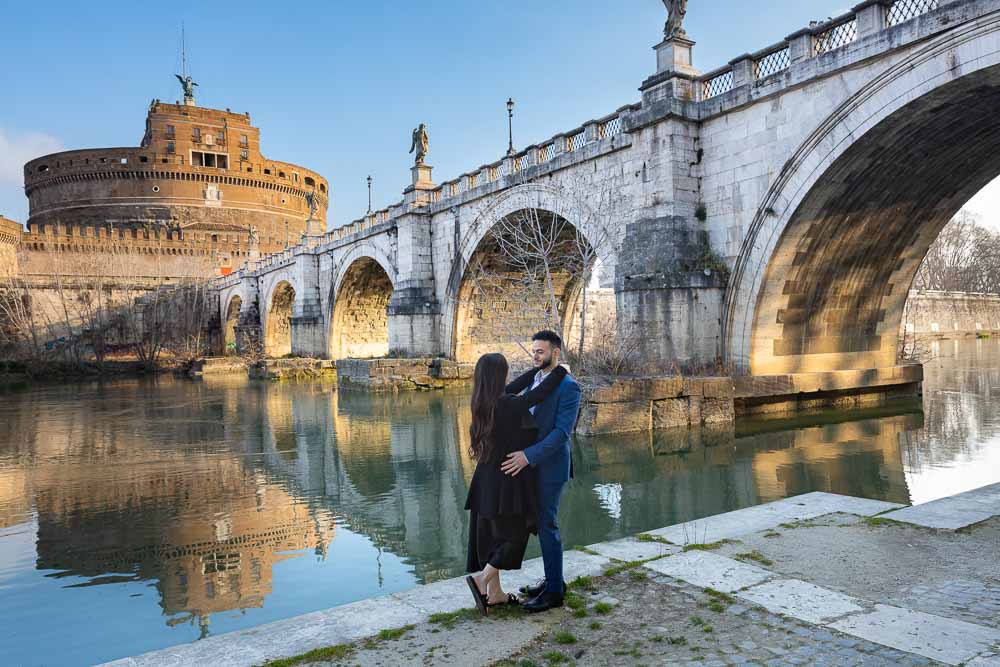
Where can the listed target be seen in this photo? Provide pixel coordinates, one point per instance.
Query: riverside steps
(812, 579)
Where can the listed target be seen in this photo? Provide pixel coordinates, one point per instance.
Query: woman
(504, 507)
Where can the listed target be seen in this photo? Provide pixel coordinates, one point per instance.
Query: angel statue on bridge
(419, 143)
(676, 9)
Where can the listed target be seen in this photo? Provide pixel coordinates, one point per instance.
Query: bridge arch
(359, 320)
(823, 274)
(277, 314)
(474, 321)
(230, 319)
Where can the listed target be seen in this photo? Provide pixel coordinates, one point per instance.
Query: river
(135, 515)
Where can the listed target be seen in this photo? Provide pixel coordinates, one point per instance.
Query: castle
(196, 197)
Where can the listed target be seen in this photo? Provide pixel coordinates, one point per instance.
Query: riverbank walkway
(817, 579)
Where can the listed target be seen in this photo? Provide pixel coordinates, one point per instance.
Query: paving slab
(953, 512)
(631, 549)
(802, 600)
(290, 636)
(947, 640)
(770, 515)
(440, 597)
(708, 570)
(940, 518)
(984, 661)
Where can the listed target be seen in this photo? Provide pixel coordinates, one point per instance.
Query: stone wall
(10, 238)
(645, 404)
(947, 314)
(394, 375)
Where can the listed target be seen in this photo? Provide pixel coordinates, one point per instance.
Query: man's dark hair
(549, 337)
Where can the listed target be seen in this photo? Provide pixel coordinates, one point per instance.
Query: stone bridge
(778, 207)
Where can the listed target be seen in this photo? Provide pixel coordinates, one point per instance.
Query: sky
(338, 86)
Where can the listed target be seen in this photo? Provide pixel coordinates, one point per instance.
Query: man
(550, 456)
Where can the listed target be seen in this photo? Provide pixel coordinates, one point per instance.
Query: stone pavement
(813, 579)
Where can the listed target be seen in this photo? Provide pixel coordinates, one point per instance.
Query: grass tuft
(756, 557)
(338, 652)
(603, 608)
(564, 638)
(555, 657)
(708, 546)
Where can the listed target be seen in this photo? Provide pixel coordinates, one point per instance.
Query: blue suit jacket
(556, 419)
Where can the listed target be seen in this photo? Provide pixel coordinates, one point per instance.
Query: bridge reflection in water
(144, 514)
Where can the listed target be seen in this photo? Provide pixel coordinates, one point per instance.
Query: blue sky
(337, 86)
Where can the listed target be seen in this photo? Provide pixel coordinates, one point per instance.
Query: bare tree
(964, 258)
(535, 267)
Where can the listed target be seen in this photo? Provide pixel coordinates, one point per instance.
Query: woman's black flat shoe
(480, 598)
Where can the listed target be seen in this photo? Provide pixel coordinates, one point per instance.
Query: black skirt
(503, 508)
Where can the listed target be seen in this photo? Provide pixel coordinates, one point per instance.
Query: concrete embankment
(817, 578)
(951, 314)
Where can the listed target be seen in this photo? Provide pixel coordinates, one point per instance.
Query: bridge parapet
(868, 18)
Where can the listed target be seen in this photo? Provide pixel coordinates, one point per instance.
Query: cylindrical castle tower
(195, 187)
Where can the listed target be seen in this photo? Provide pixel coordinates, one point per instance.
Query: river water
(136, 515)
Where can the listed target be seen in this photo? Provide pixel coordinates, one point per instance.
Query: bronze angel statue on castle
(676, 9)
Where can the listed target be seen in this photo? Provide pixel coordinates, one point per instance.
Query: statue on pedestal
(676, 9)
(419, 144)
(188, 84)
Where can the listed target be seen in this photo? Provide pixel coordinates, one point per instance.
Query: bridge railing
(817, 39)
(569, 142)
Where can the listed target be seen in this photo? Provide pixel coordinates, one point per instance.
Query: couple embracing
(520, 440)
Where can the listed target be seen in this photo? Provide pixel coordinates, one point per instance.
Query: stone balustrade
(819, 38)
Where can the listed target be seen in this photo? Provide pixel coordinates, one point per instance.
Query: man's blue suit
(550, 456)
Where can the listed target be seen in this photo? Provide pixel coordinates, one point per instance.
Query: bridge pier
(414, 310)
(308, 326)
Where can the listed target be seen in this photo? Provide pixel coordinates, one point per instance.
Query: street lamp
(510, 126)
(369, 195)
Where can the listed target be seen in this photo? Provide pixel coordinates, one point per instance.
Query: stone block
(670, 413)
(598, 418)
(717, 411)
(718, 388)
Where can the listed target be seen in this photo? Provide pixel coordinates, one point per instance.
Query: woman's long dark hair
(487, 387)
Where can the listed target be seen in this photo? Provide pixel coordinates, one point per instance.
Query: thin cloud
(16, 148)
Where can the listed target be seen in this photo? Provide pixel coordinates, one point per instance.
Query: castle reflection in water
(202, 488)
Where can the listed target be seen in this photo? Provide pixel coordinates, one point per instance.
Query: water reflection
(144, 514)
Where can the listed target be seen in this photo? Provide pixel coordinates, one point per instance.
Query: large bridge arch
(359, 298)
(277, 313)
(465, 333)
(823, 273)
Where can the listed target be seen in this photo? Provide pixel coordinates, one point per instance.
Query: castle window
(143, 158)
(43, 168)
(244, 141)
(267, 172)
(322, 187)
(222, 161)
(196, 134)
(171, 147)
(123, 160)
(103, 160)
(281, 174)
(170, 131)
(215, 238)
(310, 181)
(220, 136)
(244, 155)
